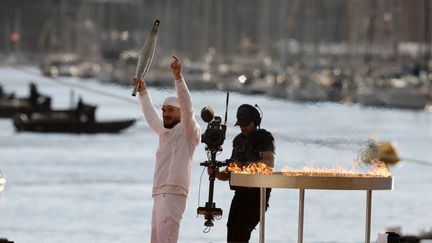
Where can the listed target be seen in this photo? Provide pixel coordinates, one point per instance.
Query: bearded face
(171, 116)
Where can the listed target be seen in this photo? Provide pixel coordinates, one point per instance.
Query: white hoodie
(176, 145)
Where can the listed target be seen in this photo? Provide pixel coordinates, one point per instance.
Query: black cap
(247, 114)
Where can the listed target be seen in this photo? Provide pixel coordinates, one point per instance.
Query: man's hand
(269, 158)
(141, 87)
(212, 169)
(176, 68)
(221, 175)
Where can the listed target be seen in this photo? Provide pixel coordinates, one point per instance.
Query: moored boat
(78, 120)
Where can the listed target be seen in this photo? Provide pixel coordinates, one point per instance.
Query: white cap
(172, 101)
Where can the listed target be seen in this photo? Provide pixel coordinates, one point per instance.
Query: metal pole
(368, 215)
(212, 179)
(262, 214)
(301, 216)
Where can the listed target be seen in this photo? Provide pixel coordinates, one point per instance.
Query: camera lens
(214, 138)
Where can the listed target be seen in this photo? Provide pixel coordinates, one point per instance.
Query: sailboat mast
(427, 38)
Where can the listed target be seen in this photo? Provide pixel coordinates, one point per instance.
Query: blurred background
(332, 48)
(77, 157)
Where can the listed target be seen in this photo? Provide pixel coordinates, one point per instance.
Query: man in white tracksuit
(179, 134)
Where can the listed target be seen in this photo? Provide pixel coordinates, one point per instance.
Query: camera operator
(253, 144)
(179, 134)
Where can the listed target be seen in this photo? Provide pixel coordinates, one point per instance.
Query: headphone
(258, 115)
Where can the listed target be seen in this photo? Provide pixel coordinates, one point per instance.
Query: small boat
(2, 181)
(11, 105)
(78, 120)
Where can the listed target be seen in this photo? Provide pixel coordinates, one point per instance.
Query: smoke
(367, 150)
(335, 143)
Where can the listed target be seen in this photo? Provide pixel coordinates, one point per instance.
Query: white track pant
(166, 216)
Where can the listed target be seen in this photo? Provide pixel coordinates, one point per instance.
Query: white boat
(68, 64)
(2, 181)
(406, 98)
(370, 96)
(279, 87)
(405, 93)
(307, 91)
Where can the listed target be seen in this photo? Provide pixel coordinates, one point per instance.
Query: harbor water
(97, 188)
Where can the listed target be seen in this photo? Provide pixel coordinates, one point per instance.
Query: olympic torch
(146, 55)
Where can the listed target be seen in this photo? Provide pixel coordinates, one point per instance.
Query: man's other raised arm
(188, 121)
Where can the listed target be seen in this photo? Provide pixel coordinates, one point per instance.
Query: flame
(252, 168)
(378, 169)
